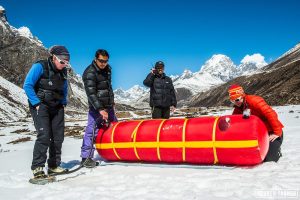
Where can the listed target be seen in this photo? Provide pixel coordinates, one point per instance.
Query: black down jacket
(162, 93)
(97, 83)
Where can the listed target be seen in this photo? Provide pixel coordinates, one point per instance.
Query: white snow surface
(266, 181)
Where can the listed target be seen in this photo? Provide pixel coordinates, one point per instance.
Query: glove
(246, 114)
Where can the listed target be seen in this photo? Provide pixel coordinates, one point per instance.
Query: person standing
(162, 92)
(47, 89)
(255, 105)
(98, 88)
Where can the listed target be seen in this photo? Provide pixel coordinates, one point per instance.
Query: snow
(131, 95)
(15, 91)
(79, 93)
(267, 181)
(24, 31)
(195, 81)
(12, 110)
(295, 48)
(220, 66)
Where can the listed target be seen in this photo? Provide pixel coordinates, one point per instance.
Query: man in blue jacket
(46, 87)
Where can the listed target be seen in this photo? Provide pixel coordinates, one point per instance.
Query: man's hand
(154, 71)
(273, 137)
(104, 114)
(37, 107)
(172, 108)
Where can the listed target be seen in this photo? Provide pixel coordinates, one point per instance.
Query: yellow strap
(112, 140)
(183, 139)
(157, 138)
(134, 139)
(214, 140)
(191, 144)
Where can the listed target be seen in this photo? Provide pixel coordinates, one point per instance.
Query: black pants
(160, 112)
(49, 123)
(274, 152)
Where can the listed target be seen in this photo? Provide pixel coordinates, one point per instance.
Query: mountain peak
(186, 74)
(130, 95)
(220, 66)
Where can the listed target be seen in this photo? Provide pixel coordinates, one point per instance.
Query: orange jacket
(261, 109)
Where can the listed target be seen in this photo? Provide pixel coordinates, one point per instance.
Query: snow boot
(39, 173)
(88, 163)
(57, 170)
(40, 178)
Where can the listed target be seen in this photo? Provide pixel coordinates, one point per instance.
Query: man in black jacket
(162, 93)
(98, 88)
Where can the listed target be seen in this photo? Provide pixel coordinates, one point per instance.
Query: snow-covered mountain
(220, 66)
(196, 82)
(22, 31)
(18, 50)
(278, 82)
(216, 71)
(130, 95)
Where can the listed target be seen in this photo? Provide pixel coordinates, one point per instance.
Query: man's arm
(64, 101)
(270, 115)
(149, 80)
(89, 80)
(31, 79)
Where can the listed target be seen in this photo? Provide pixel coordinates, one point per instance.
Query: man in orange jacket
(256, 105)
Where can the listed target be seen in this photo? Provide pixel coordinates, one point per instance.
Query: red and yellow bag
(227, 140)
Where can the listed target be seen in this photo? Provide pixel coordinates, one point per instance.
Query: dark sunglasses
(237, 100)
(159, 68)
(102, 61)
(63, 62)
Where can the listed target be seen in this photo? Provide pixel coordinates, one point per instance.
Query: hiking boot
(39, 173)
(57, 170)
(88, 162)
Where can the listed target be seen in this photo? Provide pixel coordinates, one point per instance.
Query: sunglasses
(63, 62)
(237, 100)
(159, 68)
(102, 61)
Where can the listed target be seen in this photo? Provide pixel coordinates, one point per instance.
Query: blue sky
(184, 34)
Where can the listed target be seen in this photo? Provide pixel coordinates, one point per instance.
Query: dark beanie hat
(60, 51)
(159, 64)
